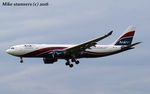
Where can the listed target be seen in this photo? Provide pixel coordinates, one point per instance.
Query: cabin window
(28, 45)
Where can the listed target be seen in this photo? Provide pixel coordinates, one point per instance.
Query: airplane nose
(8, 51)
(12, 52)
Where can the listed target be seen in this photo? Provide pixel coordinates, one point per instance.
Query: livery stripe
(43, 50)
(128, 34)
(125, 38)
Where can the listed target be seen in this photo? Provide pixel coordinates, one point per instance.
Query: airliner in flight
(51, 53)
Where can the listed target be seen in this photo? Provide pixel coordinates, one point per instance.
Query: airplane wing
(83, 46)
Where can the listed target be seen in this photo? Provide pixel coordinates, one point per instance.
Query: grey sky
(72, 22)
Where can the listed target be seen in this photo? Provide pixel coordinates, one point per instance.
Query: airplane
(51, 53)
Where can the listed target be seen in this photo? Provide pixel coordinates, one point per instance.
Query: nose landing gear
(21, 60)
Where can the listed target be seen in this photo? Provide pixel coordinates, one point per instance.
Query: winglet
(110, 33)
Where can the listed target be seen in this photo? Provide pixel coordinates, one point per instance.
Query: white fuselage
(22, 50)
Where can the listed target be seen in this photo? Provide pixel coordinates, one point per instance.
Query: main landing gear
(73, 60)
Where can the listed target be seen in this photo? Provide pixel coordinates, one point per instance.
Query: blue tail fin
(127, 37)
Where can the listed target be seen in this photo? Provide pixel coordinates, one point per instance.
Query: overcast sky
(73, 22)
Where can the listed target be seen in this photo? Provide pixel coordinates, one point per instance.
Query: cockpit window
(12, 48)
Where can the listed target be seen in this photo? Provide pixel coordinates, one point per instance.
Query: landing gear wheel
(21, 60)
(67, 63)
(73, 60)
(77, 62)
(71, 65)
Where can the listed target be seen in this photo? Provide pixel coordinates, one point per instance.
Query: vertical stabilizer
(127, 37)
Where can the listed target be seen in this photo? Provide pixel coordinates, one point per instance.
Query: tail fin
(127, 37)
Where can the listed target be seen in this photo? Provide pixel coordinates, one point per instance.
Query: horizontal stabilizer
(130, 46)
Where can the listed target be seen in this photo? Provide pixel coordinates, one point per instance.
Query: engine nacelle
(49, 60)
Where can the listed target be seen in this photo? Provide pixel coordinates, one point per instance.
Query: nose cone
(13, 52)
(8, 51)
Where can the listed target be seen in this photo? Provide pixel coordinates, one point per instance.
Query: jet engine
(49, 60)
